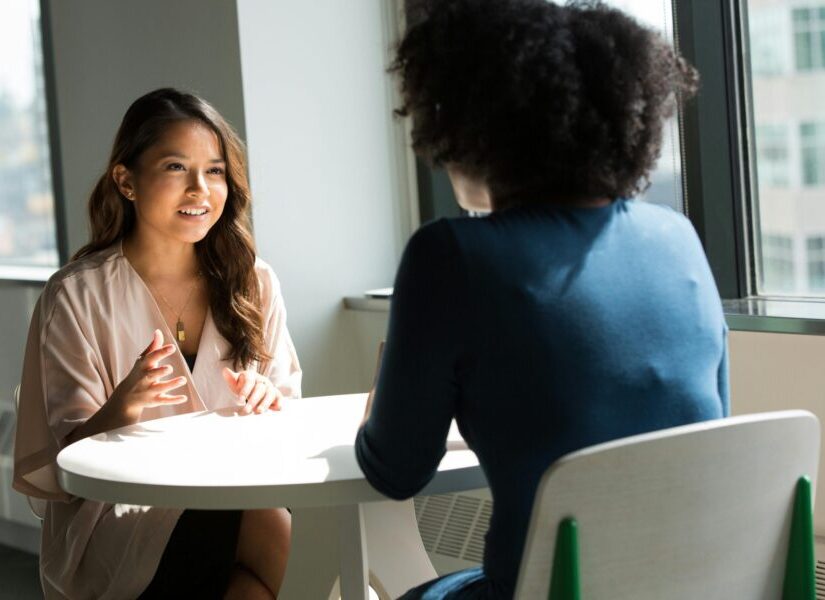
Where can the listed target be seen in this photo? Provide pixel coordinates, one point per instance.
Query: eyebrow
(184, 157)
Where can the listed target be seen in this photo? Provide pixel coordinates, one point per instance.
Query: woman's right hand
(144, 386)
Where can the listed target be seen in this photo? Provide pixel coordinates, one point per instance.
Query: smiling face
(178, 186)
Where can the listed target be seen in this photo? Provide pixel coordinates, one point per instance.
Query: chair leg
(564, 580)
(800, 582)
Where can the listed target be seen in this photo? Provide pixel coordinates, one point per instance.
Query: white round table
(301, 457)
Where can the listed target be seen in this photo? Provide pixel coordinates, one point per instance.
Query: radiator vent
(820, 580)
(454, 525)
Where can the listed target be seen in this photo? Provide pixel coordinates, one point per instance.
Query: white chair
(703, 511)
(36, 505)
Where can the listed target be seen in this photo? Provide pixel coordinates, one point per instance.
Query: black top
(190, 360)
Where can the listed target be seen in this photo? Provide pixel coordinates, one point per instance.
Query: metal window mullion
(50, 86)
(717, 142)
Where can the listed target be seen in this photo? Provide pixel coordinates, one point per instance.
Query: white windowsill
(368, 304)
(26, 274)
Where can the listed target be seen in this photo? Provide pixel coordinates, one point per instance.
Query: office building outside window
(787, 69)
(27, 216)
(809, 37)
(778, 263)
(816, 263)
(812, 139)
(773, 155)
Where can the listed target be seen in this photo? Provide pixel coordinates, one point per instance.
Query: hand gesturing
(144, 386)
(254, 389)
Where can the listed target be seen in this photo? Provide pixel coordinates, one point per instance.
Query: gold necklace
(180, 332)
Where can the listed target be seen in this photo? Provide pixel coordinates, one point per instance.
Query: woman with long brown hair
(171, 259)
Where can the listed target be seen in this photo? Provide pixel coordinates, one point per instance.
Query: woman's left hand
(254, 389)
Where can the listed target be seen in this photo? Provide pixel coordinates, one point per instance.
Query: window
(778, 263)
(773, 155)
(812, 138)
(771, 51)
(816, 263)
(27, 216)
(809, 37)
(666, 180)
(789, 139)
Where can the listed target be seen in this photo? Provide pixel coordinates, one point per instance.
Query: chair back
(702, 511)
(36, 505)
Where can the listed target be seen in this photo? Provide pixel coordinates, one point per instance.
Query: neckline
(167, 332)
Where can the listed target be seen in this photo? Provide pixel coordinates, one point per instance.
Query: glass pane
(791, 171)
(772, 55)
(772, 152)
(803, 51)
(27, 228)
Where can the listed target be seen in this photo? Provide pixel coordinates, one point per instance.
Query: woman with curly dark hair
(572, 314)
(171, 263)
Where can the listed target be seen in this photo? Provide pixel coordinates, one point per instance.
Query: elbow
(397, 484)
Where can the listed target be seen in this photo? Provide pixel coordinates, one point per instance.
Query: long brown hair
(227, 253)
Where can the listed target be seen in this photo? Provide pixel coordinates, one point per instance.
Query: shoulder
(267, 279)
(433, 240)
(432, 258)
(92, 271)
(656, 216)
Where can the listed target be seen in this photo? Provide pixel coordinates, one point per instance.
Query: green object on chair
(800, 574)
(564, 580)
(800, 579)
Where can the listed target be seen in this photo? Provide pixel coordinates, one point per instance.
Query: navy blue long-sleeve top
(541, 330)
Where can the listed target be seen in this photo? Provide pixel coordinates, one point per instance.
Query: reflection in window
(27, 228)
(777, 263)
(809, 37)
(816, 263)
(773, 156)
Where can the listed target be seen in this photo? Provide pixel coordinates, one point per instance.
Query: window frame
(721, 190)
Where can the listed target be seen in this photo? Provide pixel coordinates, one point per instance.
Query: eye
(215, 171)
(176, 166)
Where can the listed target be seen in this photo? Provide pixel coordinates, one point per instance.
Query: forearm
(112, 415)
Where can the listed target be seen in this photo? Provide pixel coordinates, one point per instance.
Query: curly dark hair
(542, 102)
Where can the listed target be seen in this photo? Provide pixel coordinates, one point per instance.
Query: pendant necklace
(180, 332)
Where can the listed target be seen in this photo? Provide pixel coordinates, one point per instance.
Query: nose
(197, 184)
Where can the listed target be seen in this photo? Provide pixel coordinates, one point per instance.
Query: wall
(327, 166)
(108, 53)
(770, 371)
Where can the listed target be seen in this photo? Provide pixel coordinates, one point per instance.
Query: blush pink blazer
(92, 320)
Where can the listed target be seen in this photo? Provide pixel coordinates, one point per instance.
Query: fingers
(161, 387)
(255, 397)
(271, 401)
(166, 399)
(246, 381)
(157, 341)
(153, 357)
(153, 374)
(231, 378)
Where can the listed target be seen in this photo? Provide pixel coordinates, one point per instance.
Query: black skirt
(199, 557)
